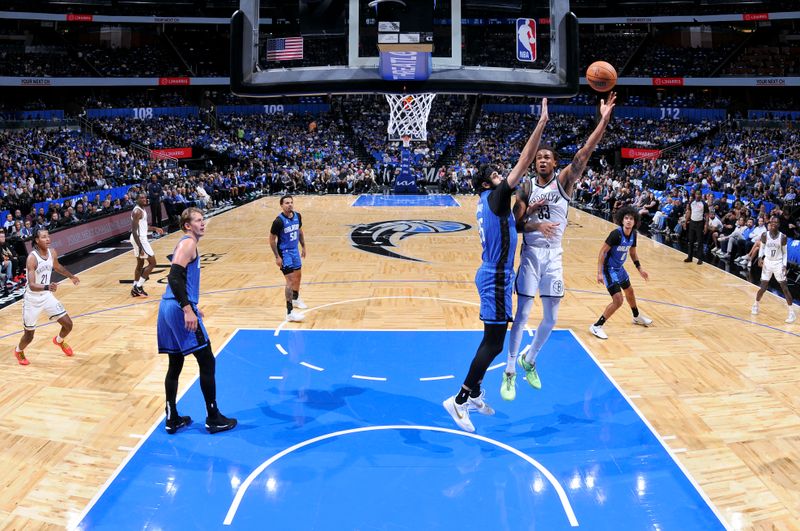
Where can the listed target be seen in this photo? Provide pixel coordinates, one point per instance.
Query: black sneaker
(142, 292)
(135, 292)
(219, 423)
(172, 426)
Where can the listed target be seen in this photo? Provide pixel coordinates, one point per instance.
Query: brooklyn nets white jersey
(555, 211)
(143, 226)
(44, 272)
(36, 302)
(773, 250)
(773, 259)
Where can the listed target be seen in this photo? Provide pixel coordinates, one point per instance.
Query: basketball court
(689, 424)
(683, 424)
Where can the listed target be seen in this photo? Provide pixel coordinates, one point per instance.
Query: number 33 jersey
(554, 210)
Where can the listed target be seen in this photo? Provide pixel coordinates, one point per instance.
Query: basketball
(601, 76)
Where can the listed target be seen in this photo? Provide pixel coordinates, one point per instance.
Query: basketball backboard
(308, 47)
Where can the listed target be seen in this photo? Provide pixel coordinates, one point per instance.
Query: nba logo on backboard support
(526, 40)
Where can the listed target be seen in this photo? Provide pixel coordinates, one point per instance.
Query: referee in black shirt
(697, 223)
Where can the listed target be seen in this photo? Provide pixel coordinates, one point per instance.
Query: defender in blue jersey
(180, 329)
(285, 235)
(611, 271)
(495, 276)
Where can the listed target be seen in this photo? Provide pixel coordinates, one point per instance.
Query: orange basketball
(601, 76)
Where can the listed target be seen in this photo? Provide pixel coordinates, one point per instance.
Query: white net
(408, 115)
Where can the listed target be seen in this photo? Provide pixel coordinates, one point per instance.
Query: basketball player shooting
(540, 267)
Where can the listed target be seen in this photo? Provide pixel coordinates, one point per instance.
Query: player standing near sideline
(141, 246)
(773, 258)
(39, 295)
(180, 328)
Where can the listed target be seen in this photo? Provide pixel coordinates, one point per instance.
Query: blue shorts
(494, 288)
(291, 261)
(616, 279)
(173, 338)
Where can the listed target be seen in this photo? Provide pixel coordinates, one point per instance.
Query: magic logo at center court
(382, 237)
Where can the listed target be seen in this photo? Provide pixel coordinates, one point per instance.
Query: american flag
(285, 49)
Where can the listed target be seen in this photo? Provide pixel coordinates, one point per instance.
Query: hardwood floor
(720, 384)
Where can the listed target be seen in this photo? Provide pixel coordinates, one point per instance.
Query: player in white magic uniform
(773, 259)
(541, 214)
(39, 296)
(141, 246)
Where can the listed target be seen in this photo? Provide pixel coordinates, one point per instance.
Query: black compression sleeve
(177, 283)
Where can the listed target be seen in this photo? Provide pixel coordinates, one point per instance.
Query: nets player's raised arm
(573, 172)
(529, 151)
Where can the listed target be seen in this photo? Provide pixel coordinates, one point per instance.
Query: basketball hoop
(408, 115)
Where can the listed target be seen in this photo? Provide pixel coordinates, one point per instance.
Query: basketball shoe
(598, 331)
(21, 359)
(531, 376)
(66, 349)
(460, 413)
(174, 424)
(219, 423)
(298, 303)
(479, 404)
(642, 319)
(295, 317)
(508, 389)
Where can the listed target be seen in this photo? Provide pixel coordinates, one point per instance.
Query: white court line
(125, 448)
(653, 431)
(493, 367)
(433, 378)
(679, 451)
(669, 437)
(276, 377)
(304, 364)
(73, 523)
(237, 500)
(373, 378)
(136, 435)
(636, 396)
(281, 349)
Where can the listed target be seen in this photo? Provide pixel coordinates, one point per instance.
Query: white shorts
(771, 267)
(540, 269)
(34, 305)
(148, 251)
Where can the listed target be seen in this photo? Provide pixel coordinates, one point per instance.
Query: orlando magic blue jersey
(498, 233)
(289, 233)
(192, 279)
(620, 245)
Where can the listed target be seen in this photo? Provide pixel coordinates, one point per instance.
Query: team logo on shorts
(380, 237)
(558, 287)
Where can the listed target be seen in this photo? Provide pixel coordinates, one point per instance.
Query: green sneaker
(531, 376)
(508, 389)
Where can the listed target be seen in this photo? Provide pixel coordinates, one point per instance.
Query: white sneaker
(460, 413)
(642, 319)
(598, 331)
(298, 303)
(295, 317)
(479, 404)
(754, 309)
(791, 318)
